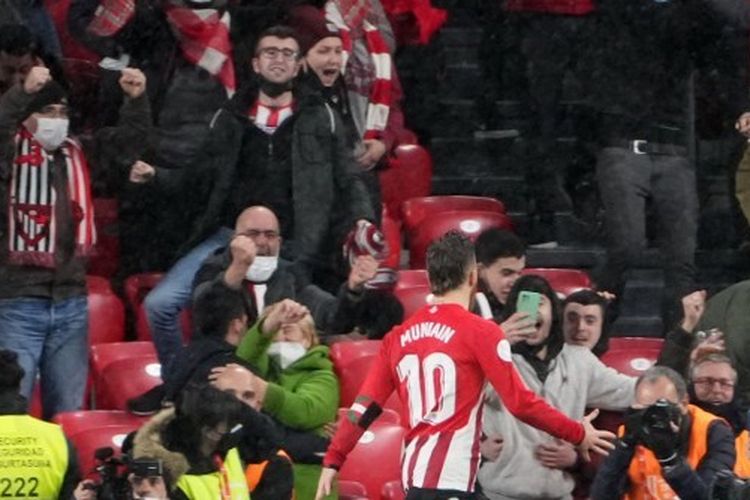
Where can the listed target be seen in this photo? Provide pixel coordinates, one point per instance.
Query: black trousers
(627, 182)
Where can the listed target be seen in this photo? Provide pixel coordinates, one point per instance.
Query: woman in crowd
(295, 382)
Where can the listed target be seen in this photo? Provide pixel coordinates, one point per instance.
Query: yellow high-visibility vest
(33, 458)
(228, 484)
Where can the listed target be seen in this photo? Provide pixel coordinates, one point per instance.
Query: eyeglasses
(274, 52)
(269, 234)
(707, 382)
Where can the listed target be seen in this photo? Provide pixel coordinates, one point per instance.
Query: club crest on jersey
(503, 351)
(427, 329)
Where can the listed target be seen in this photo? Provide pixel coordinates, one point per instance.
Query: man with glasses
(267, 147)
(667, 448)
(713, 379)
(250, 264)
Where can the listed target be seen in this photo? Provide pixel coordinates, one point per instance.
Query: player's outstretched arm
(494, 354)
(325, 484)
(595, 440)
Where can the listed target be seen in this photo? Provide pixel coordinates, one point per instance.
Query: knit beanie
(51, 93)
(311, 26)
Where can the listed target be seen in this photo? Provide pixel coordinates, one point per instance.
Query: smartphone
(528, 302)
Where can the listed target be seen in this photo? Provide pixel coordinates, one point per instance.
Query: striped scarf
(32, 225)
(380, 95)
(203, 35)
(268, 118)
(111, 16)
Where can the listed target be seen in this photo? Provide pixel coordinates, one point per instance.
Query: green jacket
(729, 311)
(304, 397)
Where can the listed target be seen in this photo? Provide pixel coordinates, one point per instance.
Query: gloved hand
(662, 442)
(632, 424)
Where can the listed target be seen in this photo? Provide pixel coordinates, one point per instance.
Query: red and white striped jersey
(438, 361)
(268, 118)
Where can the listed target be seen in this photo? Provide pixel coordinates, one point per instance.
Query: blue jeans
(165, 302)
(52, 336)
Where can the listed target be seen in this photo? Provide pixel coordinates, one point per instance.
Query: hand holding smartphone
(528, 302)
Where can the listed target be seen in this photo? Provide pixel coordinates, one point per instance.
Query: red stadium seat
(351, 362)
(632, 355)
(35, 407)
(75, 422)
(105, 259)
(408, 175)
(106, 312)
(136, 288)
(635, 342)
(415, 210)
(103, 355)
(392, 231)
(412, 289)
(376, 459)
(352, 490)
(471, 223)
(392, 490)
(125, 379)
(89, 440)
(563, 281)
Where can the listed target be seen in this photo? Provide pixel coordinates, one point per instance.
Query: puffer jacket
(304, 396)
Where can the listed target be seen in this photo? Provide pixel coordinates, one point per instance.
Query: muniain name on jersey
(427, 329)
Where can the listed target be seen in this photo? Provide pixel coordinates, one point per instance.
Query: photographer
(196, 442)
(667, 447)
(144, 478)
(35, 457)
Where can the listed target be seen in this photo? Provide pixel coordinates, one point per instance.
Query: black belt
(644, 147)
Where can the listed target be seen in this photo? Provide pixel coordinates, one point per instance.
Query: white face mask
(51, 132)
(286, 353)
(262, 268)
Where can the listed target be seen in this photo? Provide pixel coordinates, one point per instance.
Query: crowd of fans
(242, 141)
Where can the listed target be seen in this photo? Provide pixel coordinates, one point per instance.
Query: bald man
(246, 260)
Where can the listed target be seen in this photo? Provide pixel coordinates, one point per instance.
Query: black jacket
(326, 192)
(330, 312)
(195, 361)
(612, 477)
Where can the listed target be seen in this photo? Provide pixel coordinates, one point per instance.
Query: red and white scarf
(204, 39)
(380, 95)
(32, 224)
(111, 16)
(268, 118)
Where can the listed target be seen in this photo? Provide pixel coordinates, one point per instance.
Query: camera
(113, 473)
(658, 418)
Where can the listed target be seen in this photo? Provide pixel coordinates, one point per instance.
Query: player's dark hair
(449, 261)
(496, 243)
(591, 298)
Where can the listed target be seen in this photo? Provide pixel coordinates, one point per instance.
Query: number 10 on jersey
(431, 387)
